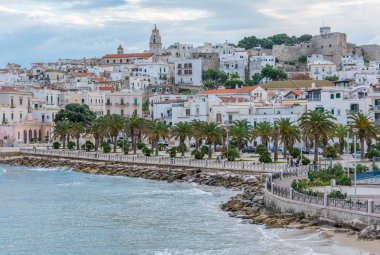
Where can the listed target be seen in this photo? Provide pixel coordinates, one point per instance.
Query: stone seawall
(339, 217)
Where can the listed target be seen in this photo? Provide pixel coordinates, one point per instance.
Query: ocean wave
(70, 184)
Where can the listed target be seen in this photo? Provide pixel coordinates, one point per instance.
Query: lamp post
(300, 145)
(355, 130)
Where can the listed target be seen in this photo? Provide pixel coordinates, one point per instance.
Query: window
(197, 111)
(121, 101)
(337, 95)
(108, 101)
(108, 112)
(3, 117)
(219, 117)
(18, 135)
(135, 101)
(20, 116)
(332, 111)
(187, 112)
(82, 100)
(179, 65)
(12, 116)
(47, 99)
(20, 100)
(179, 72)
(320, 108)
(122, 112)
(332, 96)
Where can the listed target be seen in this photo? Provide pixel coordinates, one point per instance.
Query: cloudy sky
(43, 30)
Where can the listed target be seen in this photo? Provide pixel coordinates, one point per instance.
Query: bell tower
(120, 50)
(155, 45)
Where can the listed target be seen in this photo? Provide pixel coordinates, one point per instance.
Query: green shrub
(331, 152)
(300, 185)
(172, 152)
(71, 145)
(337, 194)
(231, 154)
(305, 161)
(261, 149)
(197, 154)
(204, 149)
(373, 153)
(88, 146)
(265, 157)
(361, 168)
(125, 148)
(140, 146)
(56, 145)
(106, 147)
(294, 152)
(147, 152)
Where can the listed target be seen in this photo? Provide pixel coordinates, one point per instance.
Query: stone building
(155, 44)
(209, 60)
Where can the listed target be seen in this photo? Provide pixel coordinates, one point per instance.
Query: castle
(332, 45)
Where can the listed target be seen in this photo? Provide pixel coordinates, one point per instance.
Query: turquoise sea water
(50, 211)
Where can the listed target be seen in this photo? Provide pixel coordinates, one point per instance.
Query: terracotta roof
(296, 84)
(106, 88)
(295, 92)
(83, 74)
(99, 79)
(131, 55)
(8, 90)
(245, 89)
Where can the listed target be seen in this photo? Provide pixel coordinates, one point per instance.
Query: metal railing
(159, 160)
(322, 199)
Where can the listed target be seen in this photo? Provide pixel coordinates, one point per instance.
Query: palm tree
(61, 131)
(196, 127)
(133, 125)
(275, 135)
(98, 129)
(264, 131)
(76, 130)
(289, 133)
(115, 124)
(316, 122)
(212, 133)
(340, 133)
(181, 130)
(240, 132)
(362, 122)
(156, 130)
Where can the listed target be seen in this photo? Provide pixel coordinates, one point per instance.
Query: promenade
(241, 166)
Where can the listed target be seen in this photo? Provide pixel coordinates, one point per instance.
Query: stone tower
(155, 45)
(120, 50)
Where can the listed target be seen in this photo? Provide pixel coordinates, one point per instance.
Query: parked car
(305, 151)
(320, 151)
(163, 142)
(279, 149)
(357, 154)
(248, 149)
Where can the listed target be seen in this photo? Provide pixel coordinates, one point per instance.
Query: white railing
(159, 160)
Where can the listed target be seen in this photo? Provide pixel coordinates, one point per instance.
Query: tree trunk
(341, 145)
(316, 143)
(361, 148)
(182, 144)
(96, 144)
(64, 142)
(276, 148)
(114, 138)
(209, 150)
(78, 143)
(134, 138)
(285, 148)
(156, 145)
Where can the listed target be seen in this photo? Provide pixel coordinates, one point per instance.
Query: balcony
(108, 104)
(314, 99)
(13, 106)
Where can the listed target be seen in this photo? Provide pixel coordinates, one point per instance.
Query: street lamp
(355, 130)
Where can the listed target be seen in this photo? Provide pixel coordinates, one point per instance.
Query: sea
(58, 211)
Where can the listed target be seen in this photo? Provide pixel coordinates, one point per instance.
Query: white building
(350, 62)
(257, 63)
(341, 102)
(188, 72)
(320, 69)
(236, 63)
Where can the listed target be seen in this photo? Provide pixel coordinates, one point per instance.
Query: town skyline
(49, 30)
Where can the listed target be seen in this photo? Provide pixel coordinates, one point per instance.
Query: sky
(46, 30)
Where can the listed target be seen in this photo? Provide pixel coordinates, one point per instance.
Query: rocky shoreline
(248, 205)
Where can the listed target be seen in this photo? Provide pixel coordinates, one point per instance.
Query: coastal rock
(371, 232)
